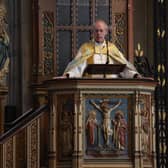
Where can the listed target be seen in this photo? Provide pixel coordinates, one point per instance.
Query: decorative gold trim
(9, 153)
(158, 32)
(139, 52)
(33, 144)
(163, 33)
(161, 69)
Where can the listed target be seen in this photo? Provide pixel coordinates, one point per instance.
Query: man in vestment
(99, 51)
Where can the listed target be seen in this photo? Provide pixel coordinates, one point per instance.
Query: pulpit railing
(23, 145)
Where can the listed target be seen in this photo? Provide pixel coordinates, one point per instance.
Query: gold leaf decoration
(163, 34)
(158, 32)
(163, 68)
(141, 53)
(139, 46)
(163, 82)
(159, 68)
(159, 81)
(164, 116)
(136, 52)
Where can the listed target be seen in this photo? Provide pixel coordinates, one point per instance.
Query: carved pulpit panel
(146, 124)
(65, 126)
(107, 126)
(103, 123)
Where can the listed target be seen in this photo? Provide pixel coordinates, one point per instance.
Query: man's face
(100, 31)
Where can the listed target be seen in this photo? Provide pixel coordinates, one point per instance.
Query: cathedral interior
(47, 123)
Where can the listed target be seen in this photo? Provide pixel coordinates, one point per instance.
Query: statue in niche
(91, 127)
(4, 46)
(145, 127)
(67, 133)
(119, 130)
(106, 110)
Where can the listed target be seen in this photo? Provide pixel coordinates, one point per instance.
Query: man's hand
(67, 75)
(64, 76)
(137, 76)
(59, 77)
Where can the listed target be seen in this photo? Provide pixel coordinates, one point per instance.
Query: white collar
(100, 44)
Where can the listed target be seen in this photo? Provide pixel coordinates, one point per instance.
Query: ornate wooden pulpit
(104, 123)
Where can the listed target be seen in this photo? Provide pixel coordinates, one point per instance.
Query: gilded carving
(139, 51)
(120, 30)
(48, 41)
(162, 74)
(33, 153)
(9, 159)
(34, 145)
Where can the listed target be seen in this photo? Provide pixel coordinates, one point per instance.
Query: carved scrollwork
(48, 42)
(120, 30)
(9, 159)
(33, 145)
(145, 106)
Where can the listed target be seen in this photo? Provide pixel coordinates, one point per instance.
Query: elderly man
(99, 51)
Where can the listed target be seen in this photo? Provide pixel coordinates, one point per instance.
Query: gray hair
(102, 21)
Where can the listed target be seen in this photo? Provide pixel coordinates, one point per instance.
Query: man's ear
(106, 32)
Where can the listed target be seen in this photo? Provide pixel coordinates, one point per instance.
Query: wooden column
(137, 136)
(153, 133)
(77, 153)
(52, 133)
(130, 31)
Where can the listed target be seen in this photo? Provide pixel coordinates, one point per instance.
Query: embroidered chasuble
(94, 53)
